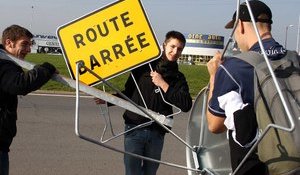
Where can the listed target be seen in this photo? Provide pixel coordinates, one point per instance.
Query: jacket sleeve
(128, 91)
(179, 95)
(130, 86)
(15, 81)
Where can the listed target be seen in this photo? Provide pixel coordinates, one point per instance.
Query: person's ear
(242, 26)
(8, 43)
(164, 45)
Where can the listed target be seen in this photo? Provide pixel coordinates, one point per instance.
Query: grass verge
(197, 76)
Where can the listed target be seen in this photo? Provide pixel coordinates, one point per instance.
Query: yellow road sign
(109, 41)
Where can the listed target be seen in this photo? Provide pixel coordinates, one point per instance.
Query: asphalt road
(46, 143)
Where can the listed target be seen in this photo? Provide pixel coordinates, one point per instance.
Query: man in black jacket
(14, 81)
(148, 141)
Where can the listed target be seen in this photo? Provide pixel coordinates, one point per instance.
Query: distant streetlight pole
(286, 32)
(32, 14)
(297, 49)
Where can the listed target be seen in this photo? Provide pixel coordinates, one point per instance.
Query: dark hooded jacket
(13, 82)
(177, 93)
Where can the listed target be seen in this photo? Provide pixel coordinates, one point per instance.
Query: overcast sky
(187, 16)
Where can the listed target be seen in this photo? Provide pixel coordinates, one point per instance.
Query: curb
(58, 92)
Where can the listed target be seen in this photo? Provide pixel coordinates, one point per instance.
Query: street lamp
(286, 32)
(32, 13)
(298, 37)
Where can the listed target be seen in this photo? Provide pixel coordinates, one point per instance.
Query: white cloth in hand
(230, 102)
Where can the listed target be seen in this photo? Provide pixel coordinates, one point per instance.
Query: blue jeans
(146, 142)
(4, 163)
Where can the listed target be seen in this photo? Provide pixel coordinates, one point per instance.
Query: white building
(200, 48)
(46, 44)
